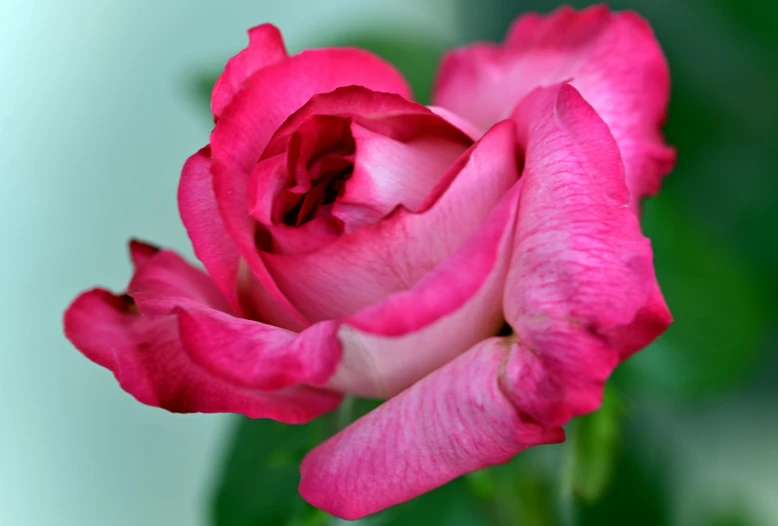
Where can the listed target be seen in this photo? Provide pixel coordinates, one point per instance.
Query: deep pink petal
(266, 47)
(454, 421)
(392, 256)
(200, 214)
(613, 59)
(141, 252)
(244, 352)
(275, 92)
(166, 281)
(582, 276)
(146, 356)
(256, 355)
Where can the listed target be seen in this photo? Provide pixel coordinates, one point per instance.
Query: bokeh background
(103, 101)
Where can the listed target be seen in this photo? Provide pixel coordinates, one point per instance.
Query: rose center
(318, 200)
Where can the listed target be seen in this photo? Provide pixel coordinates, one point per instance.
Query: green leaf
(258, 483)
(453, 505)
(523, 491)
(260, 474)
(593, 443)
(638, 494)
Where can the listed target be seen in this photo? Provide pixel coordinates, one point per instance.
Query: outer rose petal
(146, 357)
(581, 291)
(140, 342)
(242, 351)
(256, 355)
(613, 59)
(200, 214)
(141, 252)
(454, 421)
(266, 46)
(392, 256)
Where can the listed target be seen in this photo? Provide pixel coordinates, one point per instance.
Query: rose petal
(613, 59)
(390, 346)
(388, 173)
(200, 214)
(256, 355)
(392, 256)
(454, 421)
(266, 47)
(166, 281)
(140, 343)
(141, 252)
(244, 352)
(582, 274)
(146, 357)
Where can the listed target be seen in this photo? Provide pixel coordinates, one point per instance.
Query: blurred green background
(103, 102)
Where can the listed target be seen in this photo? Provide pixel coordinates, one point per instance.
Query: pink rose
(357, 242)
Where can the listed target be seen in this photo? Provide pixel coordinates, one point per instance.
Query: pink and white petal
(259, 356)
(266, 47)
(392, 256)
(454, 421)
(613, 59)
(388, 173)
(147, 359)
(462, 124)
(390, 346)
(200, 214)
(581, 268)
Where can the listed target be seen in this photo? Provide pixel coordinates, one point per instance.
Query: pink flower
(356, 242)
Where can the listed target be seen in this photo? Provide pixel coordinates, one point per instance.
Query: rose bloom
(478, 264)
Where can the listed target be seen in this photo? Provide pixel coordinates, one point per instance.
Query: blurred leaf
(258, 483)
(593, 441)
(721, 311)
(260, 474)
(199, 86)
(637, 496)
(453, 504)
(731, 519)
(523, 491)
